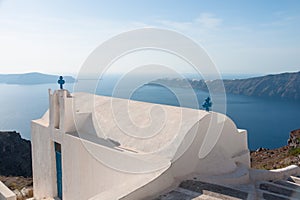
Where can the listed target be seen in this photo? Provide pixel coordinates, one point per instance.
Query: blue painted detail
(61, 82)
(58, 174)
(207, 104)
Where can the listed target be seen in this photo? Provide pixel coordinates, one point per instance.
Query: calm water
(268, 121)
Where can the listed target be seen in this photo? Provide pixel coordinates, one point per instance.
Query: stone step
(183, 194)
(288, 184)
(279, 190)
(294, 179)
(214, 190)
(206, 197)
(262, 194)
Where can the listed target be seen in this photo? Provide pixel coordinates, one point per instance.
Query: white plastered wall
(87, 177)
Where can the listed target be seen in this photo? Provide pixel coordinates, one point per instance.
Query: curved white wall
(101, 160)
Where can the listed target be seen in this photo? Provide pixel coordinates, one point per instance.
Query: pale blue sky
(56, 36)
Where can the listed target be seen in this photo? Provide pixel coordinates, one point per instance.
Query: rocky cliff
(15, 155)
(283, 86)
(278, 158)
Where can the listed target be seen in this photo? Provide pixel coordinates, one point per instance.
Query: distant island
(283, 86)
(32, 78)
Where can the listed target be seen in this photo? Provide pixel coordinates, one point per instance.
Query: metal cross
(207, 104)
(61, 82)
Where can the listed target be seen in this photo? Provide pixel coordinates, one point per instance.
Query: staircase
(279, 190)
(197, 190)
(287, 189)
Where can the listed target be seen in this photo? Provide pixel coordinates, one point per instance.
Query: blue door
(58, 170)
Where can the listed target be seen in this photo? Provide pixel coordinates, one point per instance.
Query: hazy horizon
(120, 73)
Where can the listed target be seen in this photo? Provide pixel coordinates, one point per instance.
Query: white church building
(86, 147)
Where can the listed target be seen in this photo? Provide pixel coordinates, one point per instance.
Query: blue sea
(268, 121)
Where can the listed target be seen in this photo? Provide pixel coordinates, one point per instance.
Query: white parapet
(277, 174)
(6, 193)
